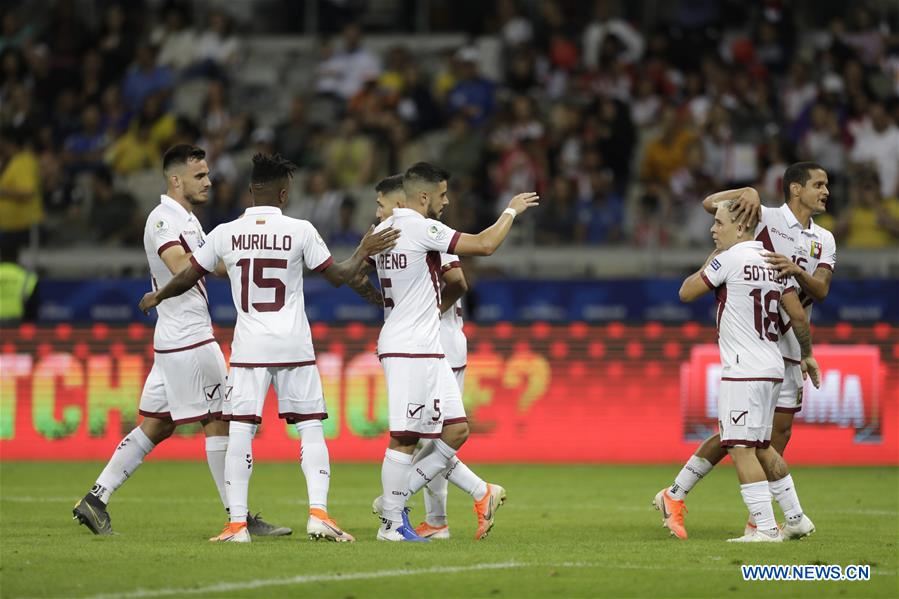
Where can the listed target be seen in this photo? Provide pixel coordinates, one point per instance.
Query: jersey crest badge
(436, 233)
(816, 250)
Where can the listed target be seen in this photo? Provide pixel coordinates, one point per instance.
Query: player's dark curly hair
(267, 169)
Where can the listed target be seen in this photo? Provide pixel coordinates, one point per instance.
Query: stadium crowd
(622, 127)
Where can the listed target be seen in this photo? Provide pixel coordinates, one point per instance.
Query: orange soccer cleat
(673, 511)
(321, 526)
(432, 532)
(486, 507)
(234, 532)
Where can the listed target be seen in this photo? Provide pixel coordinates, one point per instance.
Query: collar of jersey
(263, 210)
(792, 221)
(406, 212)
(172, 203)
(752, 241)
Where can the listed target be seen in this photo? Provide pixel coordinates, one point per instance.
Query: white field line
(227, 587)
(358, 502)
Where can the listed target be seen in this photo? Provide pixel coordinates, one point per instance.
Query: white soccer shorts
(185, 386)
(299, 391)
(422, 396)
(746, 411)
(789, 400)
(459, 374)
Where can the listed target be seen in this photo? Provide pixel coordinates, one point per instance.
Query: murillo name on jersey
(261, 241)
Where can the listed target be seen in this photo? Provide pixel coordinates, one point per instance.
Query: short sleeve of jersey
(449, 262)
(206, 256)
(438, 237)
(164, 234)
(717, 270)
(790, 286)
(828, 251)
(315, 251)
(764, 216)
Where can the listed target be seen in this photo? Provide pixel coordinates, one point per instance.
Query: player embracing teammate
(797, 248)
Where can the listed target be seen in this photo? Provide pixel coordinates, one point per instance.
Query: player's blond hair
(729, 205)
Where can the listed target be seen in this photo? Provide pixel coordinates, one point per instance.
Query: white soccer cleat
(749, 528)
(759, 537)
(321, 526)
(801, 529)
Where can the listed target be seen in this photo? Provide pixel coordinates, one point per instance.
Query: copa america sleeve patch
(715, 264)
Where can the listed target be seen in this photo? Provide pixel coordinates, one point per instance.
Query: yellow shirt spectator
(863, 226)
(132, 152)
(21, 205)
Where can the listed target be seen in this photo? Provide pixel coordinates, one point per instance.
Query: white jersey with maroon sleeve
(410, 284)
(184, 320)
(748, 293)
(780, 231)
(452, 338)
(265, 252)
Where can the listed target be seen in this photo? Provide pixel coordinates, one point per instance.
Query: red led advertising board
(533, 393)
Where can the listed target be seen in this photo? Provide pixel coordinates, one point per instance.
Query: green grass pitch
(565, 531)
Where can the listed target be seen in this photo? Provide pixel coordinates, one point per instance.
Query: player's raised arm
(746, 208)
(455, 287)
(349, 270)
(790, 303)
(488, 241)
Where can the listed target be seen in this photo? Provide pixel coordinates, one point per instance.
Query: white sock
(784, 492)
(462, 476)
(215, 458)
(435, 491)
(394, 482)
(692, 472)
(757, 498)
(315, 462)
(239, 468)
(430, 466)
(124, 461)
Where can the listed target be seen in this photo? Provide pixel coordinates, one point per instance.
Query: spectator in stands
(113, 213)
(879, 146)
(354, 64)
(92, 77)
(292, 135)
(114, 114)
(319, 204)
(601, 213)
(84, 150)
(218, 46)
(416, 104)
(463, 151)
(116, 40)
(134, 151)
(176, 42)
(215, 114)
(557, 219)
(870, 220)
(345, 234)
(350, 155)
(145, 77)
(666, 152)
(21, 208)
(824, 143)
(473, 95)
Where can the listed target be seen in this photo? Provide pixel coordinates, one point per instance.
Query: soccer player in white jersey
(187, 381)
(424, 401)
(750, 294)
(264, 253)
(797, 248)
(455, 346)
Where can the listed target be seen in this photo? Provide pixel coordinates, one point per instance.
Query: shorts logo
(228, 391)
(817, 250)
(213, 392)
(738, 417)
(414, 410)
(436, 233)
(715, 264)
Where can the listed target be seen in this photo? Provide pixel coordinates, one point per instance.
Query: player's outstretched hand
(747, 208)
(810, 369)
(374, 243)
(783, 265)
(523, 201)
(148, 302)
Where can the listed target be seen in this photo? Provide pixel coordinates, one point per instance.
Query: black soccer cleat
(91, 512)
(260, 528)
